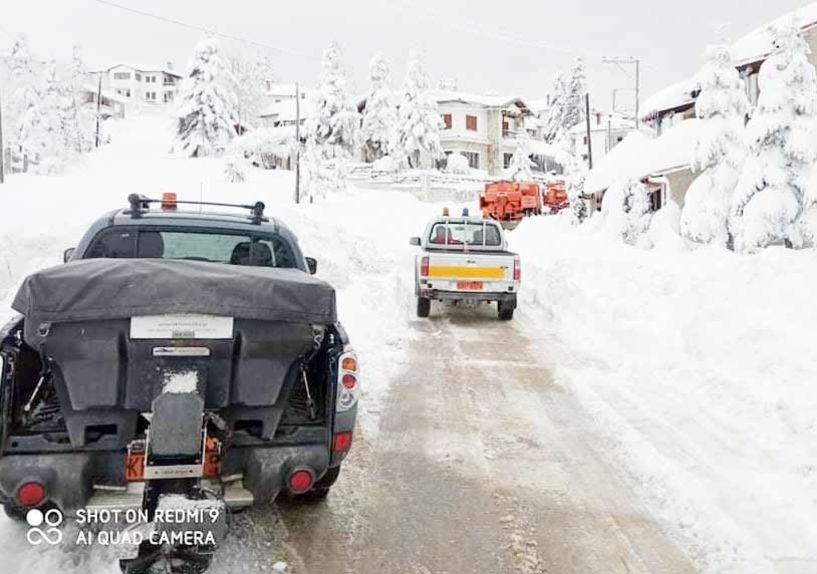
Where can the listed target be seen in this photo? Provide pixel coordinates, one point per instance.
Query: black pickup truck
(177, 356)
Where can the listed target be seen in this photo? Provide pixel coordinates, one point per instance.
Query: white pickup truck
(465, 260)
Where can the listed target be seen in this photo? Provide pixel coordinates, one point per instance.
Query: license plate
(181, 327)
(469, 285)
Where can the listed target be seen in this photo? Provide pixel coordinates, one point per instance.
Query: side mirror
(312, 263)
(67, 254)
(415, 241)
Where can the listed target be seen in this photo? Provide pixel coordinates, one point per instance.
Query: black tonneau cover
(99, 289)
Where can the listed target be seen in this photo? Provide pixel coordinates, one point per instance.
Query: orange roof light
(445, 212)
(169, 201)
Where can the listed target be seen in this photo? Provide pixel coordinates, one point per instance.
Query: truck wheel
(423, 307)
(505, 311)
(321, 489)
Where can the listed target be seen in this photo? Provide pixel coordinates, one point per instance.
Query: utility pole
(589, 132)
(297, 143)
(2, 149)
(637, 63)
(98, 106)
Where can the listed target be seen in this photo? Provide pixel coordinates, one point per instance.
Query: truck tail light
(517, 269)
(342, 442)
(424, 263)
(30, 494)
(348, 382)
(301, 480)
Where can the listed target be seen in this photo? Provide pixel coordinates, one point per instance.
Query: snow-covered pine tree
(627, 210)
(252, 74)
(720, 151)
(553, 117)
(335, 128)
(380, 116)
(576, 170)
(769, 197)
(419, 122)
(574, 106)
(22, 93)
(521, 164)
(79, 120)
(40, 132)
(207, 115)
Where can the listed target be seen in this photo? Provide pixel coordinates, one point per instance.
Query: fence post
(25, 163)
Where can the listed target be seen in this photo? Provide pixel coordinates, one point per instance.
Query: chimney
(170, 66)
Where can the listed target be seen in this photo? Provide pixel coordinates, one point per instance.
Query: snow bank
(701, 366)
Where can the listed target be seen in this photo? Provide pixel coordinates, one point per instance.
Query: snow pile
(457, 164)
(181, 383)
(700, 365)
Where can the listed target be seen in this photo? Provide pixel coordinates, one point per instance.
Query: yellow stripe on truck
(466, 272)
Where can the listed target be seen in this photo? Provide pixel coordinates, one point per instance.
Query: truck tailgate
(471, 271)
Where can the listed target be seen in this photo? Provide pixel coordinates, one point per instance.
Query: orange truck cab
(510, 201)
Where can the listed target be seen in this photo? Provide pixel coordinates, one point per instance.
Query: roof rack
(139, 205)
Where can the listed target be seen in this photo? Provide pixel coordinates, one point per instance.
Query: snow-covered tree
(336, 126)
(770, 195)
(576, 172)
(419, 122)
(380, 116)
(567, 107)
(627, 210)
(252, 74)
(720, 151)
(207, 115)
(521, 164)
(22, 91)
(79, 119)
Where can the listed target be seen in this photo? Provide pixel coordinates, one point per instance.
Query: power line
(210, 31)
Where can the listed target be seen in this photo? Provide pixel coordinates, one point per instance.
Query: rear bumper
(259, 474)
(435, 295)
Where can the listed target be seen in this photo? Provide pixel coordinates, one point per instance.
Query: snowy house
(144, 83)
(676, 103)
(282, 107)
(483, 128)
(607, 130)
(662, 163)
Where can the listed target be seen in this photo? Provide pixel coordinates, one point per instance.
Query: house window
(127, 93)
(505, 128)
(121, 76)
(473, 159)
(138, 77)
(507, 160)
(471, 124)
(447, 121)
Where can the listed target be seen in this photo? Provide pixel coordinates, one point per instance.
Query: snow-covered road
(645, 412)
(482, 463)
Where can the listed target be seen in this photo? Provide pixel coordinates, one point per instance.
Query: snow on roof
(283, 89)
(602, 121)
(286, 111)
(488, 101)
(639, 156)
(675, 96)
(538, 105)
(758, 44)
(753, 47)
(142, 67)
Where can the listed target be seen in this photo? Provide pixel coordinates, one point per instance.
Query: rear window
(260, 250)
(476, 233)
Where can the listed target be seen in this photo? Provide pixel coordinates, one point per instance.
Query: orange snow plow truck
(510, 201)
(555, 196)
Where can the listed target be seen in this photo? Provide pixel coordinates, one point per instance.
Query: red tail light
(424, 267)
(168, 201)
(301, 480)
(517, 269)
(31, 494)
(349, 381)
(342, 442)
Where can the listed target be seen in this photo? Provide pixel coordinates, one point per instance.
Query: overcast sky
(510, 47)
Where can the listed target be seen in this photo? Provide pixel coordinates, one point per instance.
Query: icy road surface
(480, 464)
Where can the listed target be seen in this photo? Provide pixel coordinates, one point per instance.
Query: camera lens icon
(51, 518)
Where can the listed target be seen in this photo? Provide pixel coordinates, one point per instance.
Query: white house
(148, 84)
(482, 128)
(282, 108)
(606, 132)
